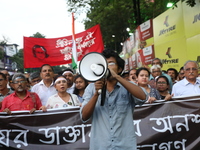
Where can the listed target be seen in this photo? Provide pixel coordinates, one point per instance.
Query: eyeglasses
(161, 82)
(17, 82)
(193, 69)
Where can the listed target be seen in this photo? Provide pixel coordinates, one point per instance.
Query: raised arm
(132, 88)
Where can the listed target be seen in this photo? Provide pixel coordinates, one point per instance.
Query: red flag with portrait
(58, 51)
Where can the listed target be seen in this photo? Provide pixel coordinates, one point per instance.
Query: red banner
(146, 30)
(58, 51)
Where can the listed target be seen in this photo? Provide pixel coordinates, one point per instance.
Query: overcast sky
(26, 17)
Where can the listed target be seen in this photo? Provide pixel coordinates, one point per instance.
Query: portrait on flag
(39, 52)
(58, 51)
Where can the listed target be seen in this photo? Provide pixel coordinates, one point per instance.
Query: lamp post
(136, 7)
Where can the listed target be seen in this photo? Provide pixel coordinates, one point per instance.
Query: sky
(26, 17)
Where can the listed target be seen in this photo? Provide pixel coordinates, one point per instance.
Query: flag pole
(74, 51)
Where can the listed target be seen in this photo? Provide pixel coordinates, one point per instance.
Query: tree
(38, 35)
(18, 58)
(4, 41)
(1, 54)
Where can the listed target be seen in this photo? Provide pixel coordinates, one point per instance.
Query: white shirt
(71, 89)
(185, 88)
(56, 102)
(44, 92)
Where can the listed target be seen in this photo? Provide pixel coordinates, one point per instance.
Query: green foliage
(4, 41)
(190, 3)
(38, 35)
(18, 58)
(113, 18)
(1, 53)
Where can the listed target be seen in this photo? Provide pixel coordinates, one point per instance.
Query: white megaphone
(93, 66)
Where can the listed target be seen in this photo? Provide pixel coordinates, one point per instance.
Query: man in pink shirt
(21, 99)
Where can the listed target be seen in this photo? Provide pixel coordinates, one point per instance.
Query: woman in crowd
(80, 85)
(62, 98)
(162, 85)
(143, 80)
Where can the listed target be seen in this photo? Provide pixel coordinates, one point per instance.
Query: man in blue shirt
(112, 124)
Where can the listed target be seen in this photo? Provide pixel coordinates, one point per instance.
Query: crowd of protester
(166, 84)
(40, 90)
(66, 88)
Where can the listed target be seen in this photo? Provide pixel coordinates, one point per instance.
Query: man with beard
(114, 120)
(190, 85)
(45, 88)
(21, 99)
(69, 74)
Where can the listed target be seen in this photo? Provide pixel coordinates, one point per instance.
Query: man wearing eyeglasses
(21, 99)
(190, 85)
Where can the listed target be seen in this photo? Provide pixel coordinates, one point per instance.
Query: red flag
(58, 51)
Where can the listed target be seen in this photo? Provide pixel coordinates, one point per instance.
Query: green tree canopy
(18, 58)
(38, 35)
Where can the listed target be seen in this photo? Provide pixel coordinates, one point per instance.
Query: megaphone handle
(103, 94)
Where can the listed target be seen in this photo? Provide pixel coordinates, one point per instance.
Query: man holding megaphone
(112, 123)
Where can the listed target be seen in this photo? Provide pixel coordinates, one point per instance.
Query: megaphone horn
(98, 69)
(93, 66)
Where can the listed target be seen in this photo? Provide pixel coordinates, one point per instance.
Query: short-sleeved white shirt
(185, 88)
